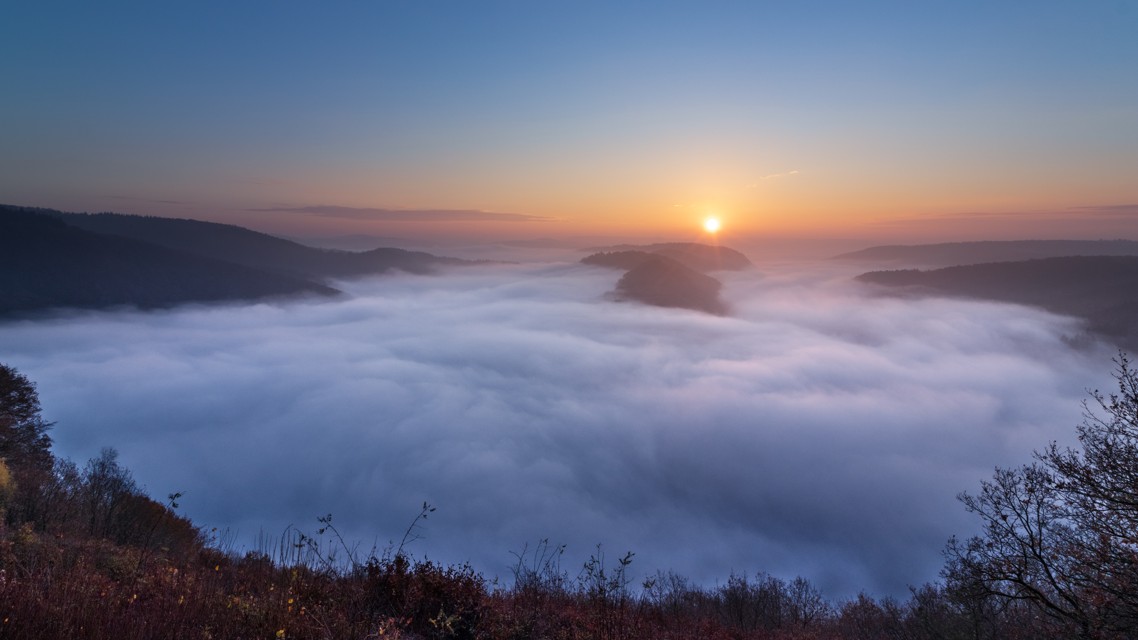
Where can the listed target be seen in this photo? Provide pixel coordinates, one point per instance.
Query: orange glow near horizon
(655, 213)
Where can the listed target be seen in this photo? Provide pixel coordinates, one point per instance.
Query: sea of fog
(817, 430)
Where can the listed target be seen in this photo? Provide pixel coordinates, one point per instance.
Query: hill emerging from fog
(671, 274)
(51, 259)
(963, 253)
(701, 257)
(239, 245)
(1102, 290)
(46, 263)
(664, 282)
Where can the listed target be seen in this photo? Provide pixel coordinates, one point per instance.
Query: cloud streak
(812, 432)
(773, 176)
(785, 174)
(1116, 210)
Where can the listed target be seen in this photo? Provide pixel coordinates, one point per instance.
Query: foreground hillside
(85, 553)
(1102, 290)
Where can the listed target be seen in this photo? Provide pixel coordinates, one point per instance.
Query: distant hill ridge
(1102, 290)
(50, 259)
(243, 246)
(961, 253)
(46, 263)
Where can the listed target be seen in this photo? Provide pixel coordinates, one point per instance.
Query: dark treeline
(84, 553)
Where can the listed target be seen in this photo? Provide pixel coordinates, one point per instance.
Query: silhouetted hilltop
(623, 260)
(665, 282)
(46, 263)
(962, 253)
(670, 274)
(701, 257)
(250, 248)
(1103, 290)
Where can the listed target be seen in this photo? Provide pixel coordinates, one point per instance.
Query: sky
(878, 120)
(817, 430)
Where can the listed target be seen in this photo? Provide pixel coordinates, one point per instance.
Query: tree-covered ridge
(671, 274)
(700, 257)
(1102, 290)
(46, 263)
(52, 260)
(664, 282)
(238, 245)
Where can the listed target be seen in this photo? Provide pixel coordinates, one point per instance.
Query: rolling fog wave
(815, 431)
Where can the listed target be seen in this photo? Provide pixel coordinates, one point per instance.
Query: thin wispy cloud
(150, 200)
(1120, 210)
(773, 176)
(1092, 221)
(408, 215)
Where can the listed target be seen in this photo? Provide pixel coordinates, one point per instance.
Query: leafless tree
(1061, 533)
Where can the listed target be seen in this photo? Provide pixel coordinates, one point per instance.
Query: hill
(1102, 290)
(701, 257)
(623, 260)
(664, 282)
(45, 263)
(962, 253)
(671, 274)
(249, 248)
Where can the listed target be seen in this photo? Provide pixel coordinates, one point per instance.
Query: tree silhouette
(1062, 532)
(23, 431)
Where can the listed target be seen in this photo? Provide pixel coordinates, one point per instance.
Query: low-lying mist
(816, 430)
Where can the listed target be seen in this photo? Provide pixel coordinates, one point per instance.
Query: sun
(711, 225)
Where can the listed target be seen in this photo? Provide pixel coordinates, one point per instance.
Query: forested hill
(962, 253)
(701, 257)
(45, 263)
(1103, 290)
(664, 282)
(671, 274)
(239, 245)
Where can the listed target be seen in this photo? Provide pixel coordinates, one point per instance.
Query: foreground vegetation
(84, 553)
